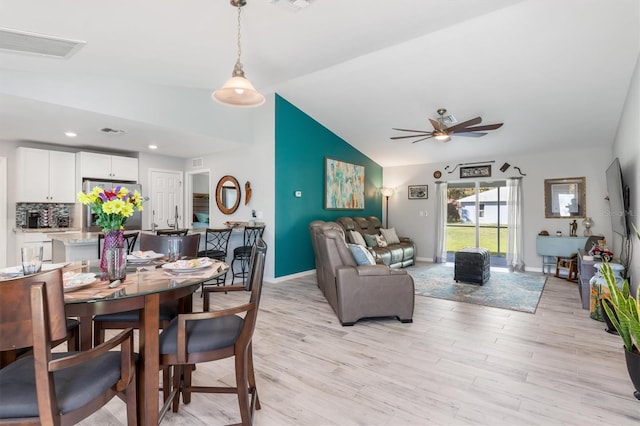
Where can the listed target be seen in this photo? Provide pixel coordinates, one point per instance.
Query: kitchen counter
(45, 230)
(75, 237)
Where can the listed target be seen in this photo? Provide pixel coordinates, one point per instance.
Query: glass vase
(112, 239)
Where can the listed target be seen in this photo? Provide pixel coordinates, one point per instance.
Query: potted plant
(624, 312)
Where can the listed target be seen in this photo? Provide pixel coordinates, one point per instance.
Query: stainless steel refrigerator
(89, 218)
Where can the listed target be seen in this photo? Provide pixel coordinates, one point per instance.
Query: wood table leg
(149, 384)
(86, 333)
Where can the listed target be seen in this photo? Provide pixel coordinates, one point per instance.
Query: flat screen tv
(618, 199)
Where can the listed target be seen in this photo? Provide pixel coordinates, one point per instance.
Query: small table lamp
(387, 192)
(587, 223)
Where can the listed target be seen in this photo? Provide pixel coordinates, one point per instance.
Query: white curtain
(515, 241)
(440, 255)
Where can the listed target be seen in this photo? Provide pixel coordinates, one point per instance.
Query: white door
(166, 197)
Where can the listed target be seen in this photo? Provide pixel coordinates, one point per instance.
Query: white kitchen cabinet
(45, 176)
(105, 166)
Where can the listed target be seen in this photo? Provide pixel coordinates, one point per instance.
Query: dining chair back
(130, 239)
(56, 388)
(160, 243)
(215, 335)
(178, 232)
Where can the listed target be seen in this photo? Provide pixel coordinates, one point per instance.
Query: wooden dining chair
(209, 336)
(178, 232)
(56, 388)
(168, 311)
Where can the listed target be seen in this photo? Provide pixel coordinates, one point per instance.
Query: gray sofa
(355, 292)
(398, 255)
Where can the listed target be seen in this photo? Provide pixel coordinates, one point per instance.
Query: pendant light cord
(237, 69)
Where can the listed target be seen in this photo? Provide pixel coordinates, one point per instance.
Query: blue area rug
(517, 291)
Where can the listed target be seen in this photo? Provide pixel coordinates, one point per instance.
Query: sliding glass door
(477, 217)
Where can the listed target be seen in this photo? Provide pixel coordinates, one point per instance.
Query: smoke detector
(16, 41)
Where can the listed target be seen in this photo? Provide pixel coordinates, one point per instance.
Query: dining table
(145, 287)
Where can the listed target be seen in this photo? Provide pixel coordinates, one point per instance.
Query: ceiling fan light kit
(238, 91)
(442, 132)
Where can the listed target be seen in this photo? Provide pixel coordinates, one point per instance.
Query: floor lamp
(387, 192)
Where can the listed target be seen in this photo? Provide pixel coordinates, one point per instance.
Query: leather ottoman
(472, 265)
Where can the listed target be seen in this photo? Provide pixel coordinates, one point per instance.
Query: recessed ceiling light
(71, 134)
(153, 146)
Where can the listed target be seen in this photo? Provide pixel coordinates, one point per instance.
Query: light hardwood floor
(456, 364)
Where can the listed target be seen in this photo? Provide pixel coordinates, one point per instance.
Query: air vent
(197, 163)
(111, 131)
(14, 41)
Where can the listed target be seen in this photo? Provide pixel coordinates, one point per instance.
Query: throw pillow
(381, 241)
(390, 235)
(356, 237)
(371, 240)
(361, 255)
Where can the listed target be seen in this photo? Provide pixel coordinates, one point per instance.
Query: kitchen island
(73, 246)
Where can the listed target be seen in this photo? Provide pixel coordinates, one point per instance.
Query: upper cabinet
(45, 176)
(105, 166)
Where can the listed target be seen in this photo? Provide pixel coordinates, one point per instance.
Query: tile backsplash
(51, 215)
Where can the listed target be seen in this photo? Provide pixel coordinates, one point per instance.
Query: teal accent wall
(301, 145)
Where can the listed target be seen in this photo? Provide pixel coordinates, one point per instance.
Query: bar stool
(215, 247)
(243, 253)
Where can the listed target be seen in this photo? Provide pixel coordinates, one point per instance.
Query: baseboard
(296, 275)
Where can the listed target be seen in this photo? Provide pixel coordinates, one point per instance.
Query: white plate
(188, 265)
(146, 256)
(11, 272)
(77, 281)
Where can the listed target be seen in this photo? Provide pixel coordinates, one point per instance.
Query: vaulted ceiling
(555, 72)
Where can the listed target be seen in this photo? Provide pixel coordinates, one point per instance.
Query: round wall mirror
(228, 194)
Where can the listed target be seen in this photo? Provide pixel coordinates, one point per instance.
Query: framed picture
(565, 198)
(418, 192)
(475, 171)
(344, 185)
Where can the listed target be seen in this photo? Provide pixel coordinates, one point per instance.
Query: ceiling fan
(443, 133)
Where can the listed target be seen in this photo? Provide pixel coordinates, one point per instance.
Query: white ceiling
(555, 72)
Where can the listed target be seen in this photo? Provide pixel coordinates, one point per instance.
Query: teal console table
(550, 248)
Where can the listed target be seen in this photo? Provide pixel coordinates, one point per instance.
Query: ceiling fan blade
(428, 137)
(436, 124)
(481, 128)
(464, 124)
(411, 136)
(471, 134)
(409, 130)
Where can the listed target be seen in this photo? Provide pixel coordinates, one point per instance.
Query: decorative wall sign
(418, 192)
(475, 171)
(344, 185)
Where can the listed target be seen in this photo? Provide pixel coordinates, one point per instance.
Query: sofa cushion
(357, 238)
(381, 241)
(390, 235)
(361, 255)
(371, 240)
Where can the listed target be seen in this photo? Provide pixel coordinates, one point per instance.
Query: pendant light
(238, 91)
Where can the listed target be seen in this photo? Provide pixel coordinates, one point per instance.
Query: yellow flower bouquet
(113, 206)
